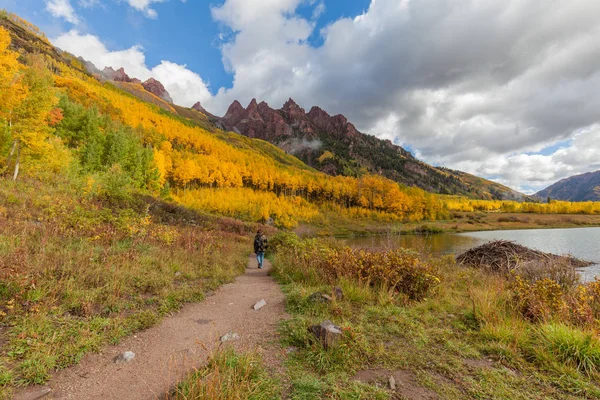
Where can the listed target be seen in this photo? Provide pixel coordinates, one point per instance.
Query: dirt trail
(167, 352)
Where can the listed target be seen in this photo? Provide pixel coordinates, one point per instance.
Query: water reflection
(583, 243)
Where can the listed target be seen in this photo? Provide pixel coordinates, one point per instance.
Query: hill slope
(584, 187)
(333, 145)
(121, 137)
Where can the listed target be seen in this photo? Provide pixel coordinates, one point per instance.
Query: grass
(465, 339)
(229, 376)
(78, 272)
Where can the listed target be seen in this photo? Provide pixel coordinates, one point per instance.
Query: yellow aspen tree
(12, 90)
(30, 129)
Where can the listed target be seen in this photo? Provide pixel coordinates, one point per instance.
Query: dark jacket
(260, 243)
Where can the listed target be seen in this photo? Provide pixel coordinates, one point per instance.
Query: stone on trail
(327, 333)
(260, 304)
(34, 394)
(229, 336)
(124, 357)
(392, 382)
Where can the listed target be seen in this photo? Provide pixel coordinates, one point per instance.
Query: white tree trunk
(18, 159)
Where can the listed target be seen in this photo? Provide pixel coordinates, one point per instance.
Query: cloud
(185, 86)
(480, 86)
(62, 9)
(144, 6)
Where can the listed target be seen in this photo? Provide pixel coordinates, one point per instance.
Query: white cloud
(185, 86)
(62, 9)
(477, 86)
(144, 6)
(471, 85)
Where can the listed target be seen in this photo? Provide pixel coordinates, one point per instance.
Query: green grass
(77, 273)
(465, 340)
(230, 375)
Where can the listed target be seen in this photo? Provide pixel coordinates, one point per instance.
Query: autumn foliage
(58, 118)
(400, 271)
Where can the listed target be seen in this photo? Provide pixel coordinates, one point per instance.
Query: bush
(317, 261)
(557, 270)
(546, 299)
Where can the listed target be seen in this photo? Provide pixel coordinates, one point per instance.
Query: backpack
(260, 243)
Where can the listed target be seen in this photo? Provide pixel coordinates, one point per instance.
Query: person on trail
(260, 246)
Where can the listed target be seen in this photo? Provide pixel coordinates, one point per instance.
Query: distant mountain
(584, 187)
(333, 145)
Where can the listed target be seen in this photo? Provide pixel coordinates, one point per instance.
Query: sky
(504, 89)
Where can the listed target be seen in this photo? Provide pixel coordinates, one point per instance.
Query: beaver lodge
(503, 256)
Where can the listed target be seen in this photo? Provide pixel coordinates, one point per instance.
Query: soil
(166, 353)
(479, 363)
(407, 386)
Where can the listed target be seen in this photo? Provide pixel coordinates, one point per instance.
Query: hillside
(584, 187)
(333, 145)
(123, 135)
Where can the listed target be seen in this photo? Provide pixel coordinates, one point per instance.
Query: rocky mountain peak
(253, 105)
(156, 88)
(121, 76)
(292, 106)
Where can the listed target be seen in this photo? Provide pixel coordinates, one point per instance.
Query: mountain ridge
(582, 187)
(332, 144)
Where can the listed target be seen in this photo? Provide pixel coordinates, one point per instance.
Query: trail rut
(166, 353)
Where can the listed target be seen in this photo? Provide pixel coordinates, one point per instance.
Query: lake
(583, 243)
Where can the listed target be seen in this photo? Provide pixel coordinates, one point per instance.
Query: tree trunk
(17, 160)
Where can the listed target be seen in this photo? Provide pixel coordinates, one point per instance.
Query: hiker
(260, 245)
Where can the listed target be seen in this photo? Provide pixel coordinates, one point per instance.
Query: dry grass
(77, 273)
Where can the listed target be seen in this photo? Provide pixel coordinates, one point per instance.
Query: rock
(124, 357)
(198, 107)
(229, 336)
(392, 382)
(259, 305)
(118, 76)
(319, 297)
(291, 349)
(177, 274)
(327, 333)
(156, 88)
(338, 293)
(34, 394)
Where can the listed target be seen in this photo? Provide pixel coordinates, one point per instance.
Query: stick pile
(503, 256)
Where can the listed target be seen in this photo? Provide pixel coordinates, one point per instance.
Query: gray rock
(327, 333)
(291, 349)
(124, 357)
(392, 382)
(34, 394)
(229, 336)
(260, 304)
(338, 293)
(319, 297)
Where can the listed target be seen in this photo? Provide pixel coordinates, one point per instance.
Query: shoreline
(462, 222)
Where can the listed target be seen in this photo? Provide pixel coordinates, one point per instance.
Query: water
(583, 243)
